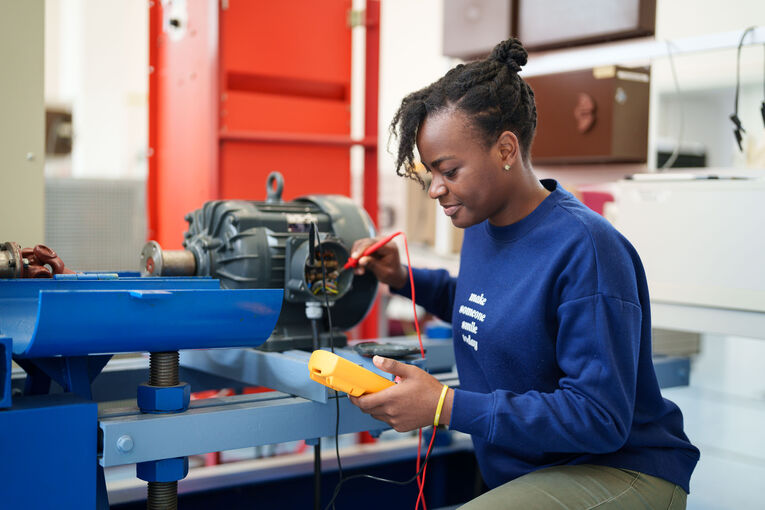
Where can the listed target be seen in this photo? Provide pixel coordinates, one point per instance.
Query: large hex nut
(165, 470)
(163, 399)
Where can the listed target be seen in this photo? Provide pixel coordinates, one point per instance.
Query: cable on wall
(681, 131)
(738, 128)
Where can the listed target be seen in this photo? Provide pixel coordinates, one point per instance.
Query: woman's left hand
(411, 403)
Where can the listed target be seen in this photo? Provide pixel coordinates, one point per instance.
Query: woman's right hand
(384, 263)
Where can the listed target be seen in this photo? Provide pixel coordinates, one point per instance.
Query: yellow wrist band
(440, 405)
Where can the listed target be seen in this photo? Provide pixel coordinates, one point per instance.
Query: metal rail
(225, 424)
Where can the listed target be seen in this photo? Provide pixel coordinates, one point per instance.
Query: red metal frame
(182, 120)
(370, 327)
(152, 187)
(371, 106)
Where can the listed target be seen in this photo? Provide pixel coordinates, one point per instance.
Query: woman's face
(468, 179)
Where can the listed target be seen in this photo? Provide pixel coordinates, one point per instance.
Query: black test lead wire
(343, 479)
(332, 349)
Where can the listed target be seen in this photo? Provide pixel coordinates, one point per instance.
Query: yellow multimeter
(340, 374)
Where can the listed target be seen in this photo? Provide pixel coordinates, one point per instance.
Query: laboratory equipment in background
(699, 237)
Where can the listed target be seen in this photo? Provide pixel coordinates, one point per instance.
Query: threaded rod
(162, 496)
(163, 371)
(163, 368)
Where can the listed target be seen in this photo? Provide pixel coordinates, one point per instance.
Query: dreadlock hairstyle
(489, 91)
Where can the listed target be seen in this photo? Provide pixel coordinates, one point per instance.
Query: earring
(507, 168)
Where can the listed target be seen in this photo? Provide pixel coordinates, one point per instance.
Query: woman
(550, 311)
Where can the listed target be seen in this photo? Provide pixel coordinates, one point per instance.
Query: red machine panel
(307, 169)
(285, 82)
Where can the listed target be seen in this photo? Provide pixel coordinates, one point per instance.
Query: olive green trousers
(583, 487)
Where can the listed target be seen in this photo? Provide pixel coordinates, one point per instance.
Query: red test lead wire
(420, 479)
(425, 470)
(353, 262)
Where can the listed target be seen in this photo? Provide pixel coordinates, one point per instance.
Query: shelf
(633, 52)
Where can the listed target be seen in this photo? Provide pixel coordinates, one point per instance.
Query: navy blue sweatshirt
(552, 339)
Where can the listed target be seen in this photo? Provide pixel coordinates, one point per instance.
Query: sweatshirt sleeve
(434, 291)
(597, 349)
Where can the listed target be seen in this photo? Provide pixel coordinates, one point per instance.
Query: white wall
(704, 115)
(97, 64)
(411, 58)
(707, 80)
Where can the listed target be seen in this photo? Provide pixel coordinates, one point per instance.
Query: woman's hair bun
(510, 53)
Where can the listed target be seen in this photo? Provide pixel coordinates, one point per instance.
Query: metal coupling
(11, 263)
(158, 262)
(37, 262)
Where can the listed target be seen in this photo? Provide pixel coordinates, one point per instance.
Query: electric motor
(248, 244)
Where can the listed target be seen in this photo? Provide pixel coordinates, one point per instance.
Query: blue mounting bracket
(282, 371)
(73, 373)
(288, 371)
(78, 317)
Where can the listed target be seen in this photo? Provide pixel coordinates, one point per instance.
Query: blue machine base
(48, 451)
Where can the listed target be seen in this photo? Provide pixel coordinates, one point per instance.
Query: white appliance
(701, 238)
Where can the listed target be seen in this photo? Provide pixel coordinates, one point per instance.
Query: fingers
(380, 407)
(363, 264)
(369, 403)
(384, 262)
(362, 244)
(356, 250)
(408, 405)
(391, 366)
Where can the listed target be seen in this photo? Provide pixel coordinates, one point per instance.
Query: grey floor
(724, 410)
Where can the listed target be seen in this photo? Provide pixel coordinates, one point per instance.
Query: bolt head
(125, 443)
